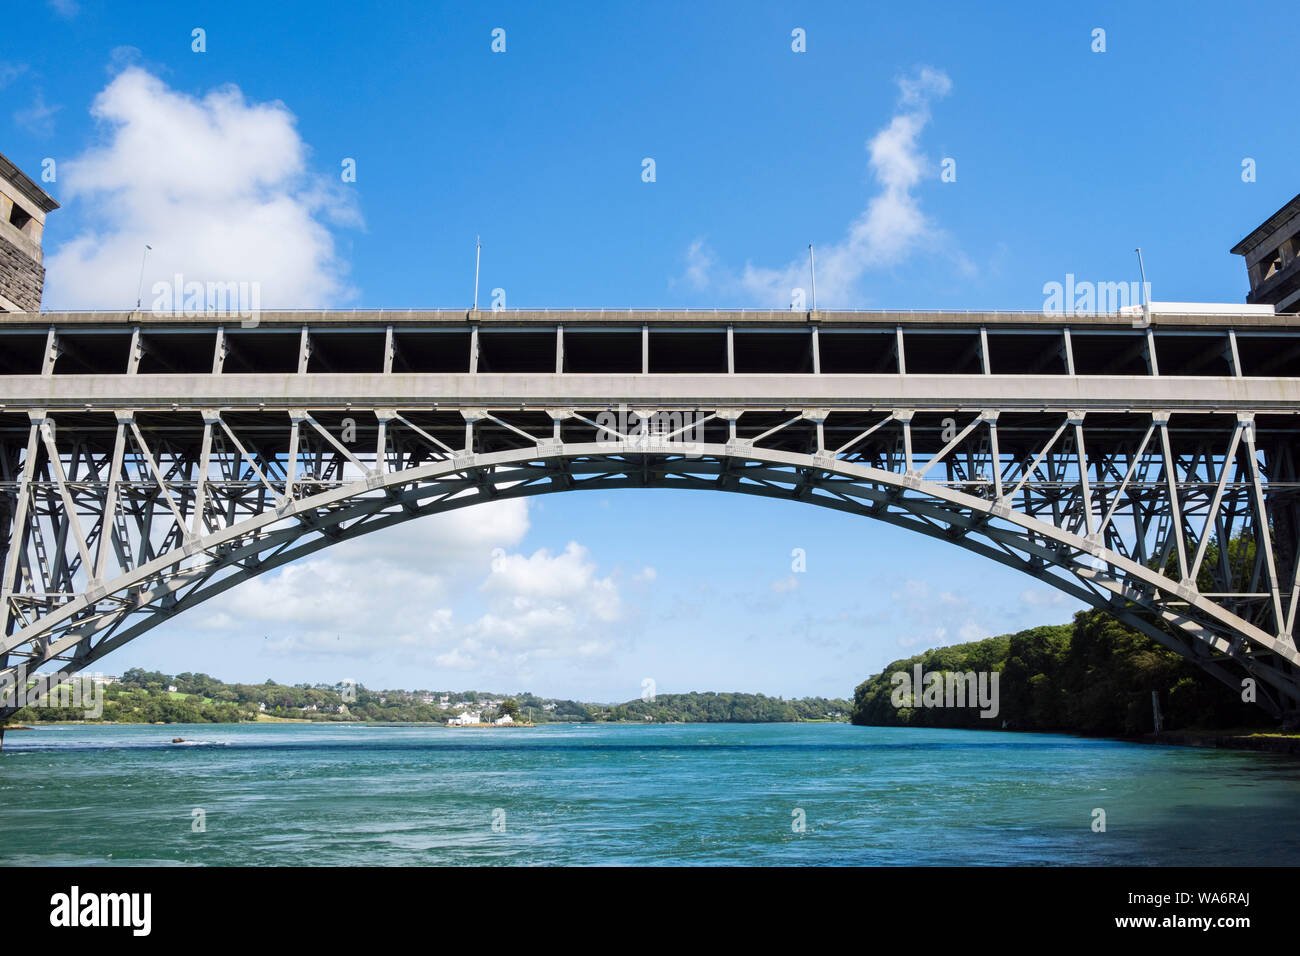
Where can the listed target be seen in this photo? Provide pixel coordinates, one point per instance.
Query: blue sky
(1066, 159)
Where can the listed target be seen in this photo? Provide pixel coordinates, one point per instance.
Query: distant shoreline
(406, 723)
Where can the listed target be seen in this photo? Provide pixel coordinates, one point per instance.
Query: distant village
(139, 696)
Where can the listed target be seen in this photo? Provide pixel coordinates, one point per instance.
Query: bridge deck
(628, 344)
(885, 318)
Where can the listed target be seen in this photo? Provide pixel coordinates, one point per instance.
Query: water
(619, 794)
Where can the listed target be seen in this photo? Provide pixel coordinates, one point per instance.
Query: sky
(635, 155)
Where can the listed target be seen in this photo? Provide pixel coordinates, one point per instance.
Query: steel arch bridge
(150, 463)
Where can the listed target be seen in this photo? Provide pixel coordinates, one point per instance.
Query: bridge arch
(292, 524)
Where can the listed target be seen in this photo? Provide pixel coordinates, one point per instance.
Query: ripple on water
(343, 794)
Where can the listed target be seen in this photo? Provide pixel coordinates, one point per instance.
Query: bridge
(1147, 468)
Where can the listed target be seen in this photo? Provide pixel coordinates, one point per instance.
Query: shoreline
(1260, 741)
(1230, 738)
(407, 723)
(1248, 739)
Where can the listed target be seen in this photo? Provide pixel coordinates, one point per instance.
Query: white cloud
(218, 186)
(387, 587)
(396, 588)
(890, 228)
(65, 8)
(545, 606)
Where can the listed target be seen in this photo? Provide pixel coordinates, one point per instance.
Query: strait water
(636, 795)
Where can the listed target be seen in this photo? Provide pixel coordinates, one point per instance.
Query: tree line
(1092, 676)
(141, 696)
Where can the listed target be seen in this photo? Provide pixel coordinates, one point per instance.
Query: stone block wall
(21, 277)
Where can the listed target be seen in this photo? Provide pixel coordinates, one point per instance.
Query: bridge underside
(1180, 522)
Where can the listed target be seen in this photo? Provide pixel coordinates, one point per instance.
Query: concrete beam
(484, 389)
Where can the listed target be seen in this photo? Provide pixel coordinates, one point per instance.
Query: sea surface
(773, 794)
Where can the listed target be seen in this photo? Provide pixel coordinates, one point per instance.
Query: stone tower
(23, 206)
(1272, 254)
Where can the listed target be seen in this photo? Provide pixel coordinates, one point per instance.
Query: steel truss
(1182, 524)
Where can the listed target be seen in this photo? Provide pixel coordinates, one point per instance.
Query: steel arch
(110, 613)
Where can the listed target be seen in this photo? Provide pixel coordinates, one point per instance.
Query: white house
(504, 719)
(466, 717)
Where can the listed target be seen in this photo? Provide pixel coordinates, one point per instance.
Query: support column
(1081, 457)
(219, 352)
(136, 353)
(205, 462)
(18, 537)
(1283, 510)
(383, 415)
(904, 415)
(304, 351)
(990, 416)
(110, 498)
(51, 352)
(1261, 527)
(291, 466)
(1161, 420)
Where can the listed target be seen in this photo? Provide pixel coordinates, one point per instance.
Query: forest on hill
(1092, 676)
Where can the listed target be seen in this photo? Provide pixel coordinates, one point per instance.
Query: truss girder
(1169, 520)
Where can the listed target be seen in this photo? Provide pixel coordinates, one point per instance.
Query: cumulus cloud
(397, 587)
(544, 606)
(220, 187)
(890, 228)
(388, 587)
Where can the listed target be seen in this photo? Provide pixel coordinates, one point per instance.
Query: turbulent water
(620, 794)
